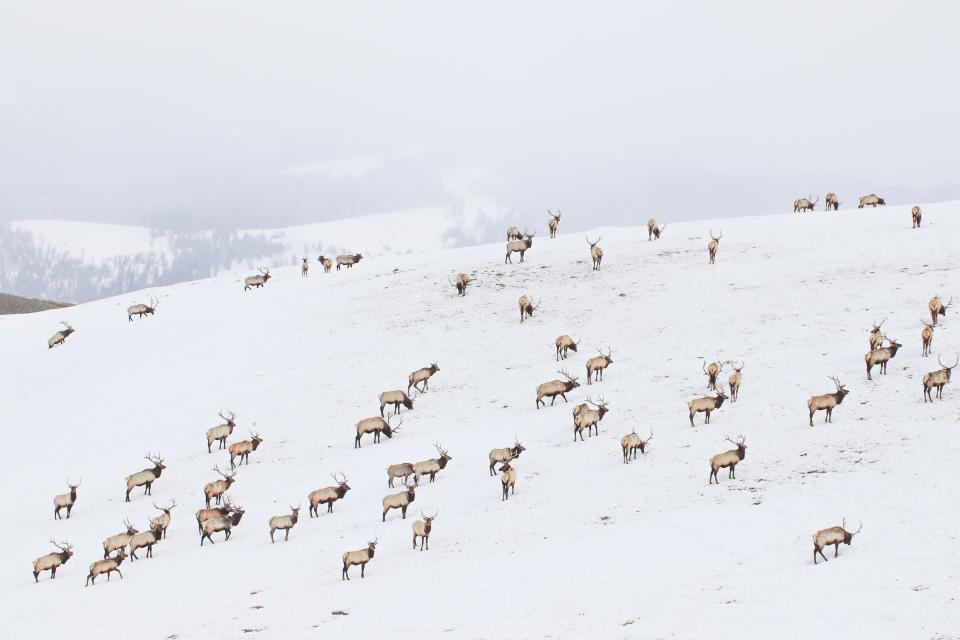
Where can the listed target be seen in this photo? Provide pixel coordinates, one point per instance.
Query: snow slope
(588, 546)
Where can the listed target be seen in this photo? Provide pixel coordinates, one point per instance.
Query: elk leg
(811, 418)
(286, 536)
(363, 568)
(836, 549)
(707, 421)
(564, 396)
(343, 574)
(329, 508)
(271, 536)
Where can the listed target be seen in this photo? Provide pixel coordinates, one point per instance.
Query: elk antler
(225, 476)
(229, 417)
(566, 375)
(593, 244)
(835, 381)
(649, 438)
(718, 237)
(950, 366)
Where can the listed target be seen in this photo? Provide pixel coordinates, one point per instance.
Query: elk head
(593, 244)
(740, 443)
(528, 237)
(942, 310)
(341, 481)
(571, 382)
(602, 406)
(608, 355)
(230, 417)
(131, 530)
(842, 390)
(66, 549)
(157, 462)
(643, 443)
(428, 520)
(411, 490)
(847, 535)
(517, 448)
(389, 430)
(265, 273)
(255, 440)
(67, 329)
(556, 218)
(716, 239)
(444, 456)
(876, 327)
(73, 487)
(736, 368)
(229, 478)
(166, 510)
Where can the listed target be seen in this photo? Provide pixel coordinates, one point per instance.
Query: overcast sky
(276, 113)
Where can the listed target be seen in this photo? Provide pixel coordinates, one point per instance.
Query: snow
(588, 547)
(93, 242)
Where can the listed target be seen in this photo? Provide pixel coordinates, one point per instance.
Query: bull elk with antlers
(65, 500)
(513, 233)
(832, 201)
(396, 398)
(804, 204)
(422, 529)
(875, 338)
(519, 246)
(146, 477)
(596, 253)
(431, 467)
(706, 404)
(375, 425)
(937, 379)
(284, 523)
(107, 566)
(728, 459)
(221, 432)
(916, 215)
(563, 344)
(712, 372)
(120, 540)
(52, 561)
(60, 336)
(631, 442)
(937, 308)
(553, 222)
(734, 381)
(713, 245)
(422, 376)
(224, 523)
(215, 490)
(258, 280)
(141, 309)
(162, 521)
(506, 454)
(653, 229)
(461, 283)
(871, 200)
(243, 448)
(832, 536)
(361, 557)
(597, 364)
(827, 402)
(926, 338)
(589, 419)
(348, 260)
(527, 307)
(399, 500)
(881, 356)
(556, 388)
(328, 495)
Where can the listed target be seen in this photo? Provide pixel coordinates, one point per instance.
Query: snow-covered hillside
(588, 547)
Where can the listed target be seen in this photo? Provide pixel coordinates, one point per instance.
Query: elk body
(832, 536)
(519, 246)
(422, 529)
(712, 372)
(728, 459)
(871, 200)
(804, 204)
(937, 308)
(653, 229)
(215, 490)
(527, 307)
(631, 442)
(141, 310)
(375, 425)
(421, 376)
(60, 336)
(926, 339)
(564, 343)
(284, 523)
(326, 262)
(305, 268)
(120, 540)
(221, 432)
(348, 261)
(402, 470)
(328, 495)
(734, 382)
(399, 500)
(937, 379)
(706, 404)
(881, 356)
(224, 523)
(215, 512)
(875, 338)
(553, 223)
(556, 388)
(65, 501)
(461, 283)
(107, 566)
(597, 364)
(513, 234)
(243, 449)
(431, 467)
(146, 477)
(258, 280)
(361, 557)
(916, 215)
(508, 480)
(506, 454)
(596, 253)
(827, 401)
(713, 245)
(832, 201)
(52, 561)
(162, 521)
(144, 539)
(589, 419)
(396, 398)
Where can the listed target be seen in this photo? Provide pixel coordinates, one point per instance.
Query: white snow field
(588, 546)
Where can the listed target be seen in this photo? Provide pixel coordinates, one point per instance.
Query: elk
(563, 344)
(243, 448)
(162, 521)
(396, 398)
(712, 372)
(348, 260)
(653, 229)
(422, 376)
(146, 477)
(65, 500)
(870, 200)
(223, 523)
(804, 204)
(422, 528)
(597, 364)
(52, 561)
(553, 223)
(527, 307)
(832, 536)
(519, 246)
(827, 401)
(881, 356)
(431, 467)
(399, 500)
(328, 495)
(284, 523)
(513, 234)
(326, 262)
(916, 215)
(361, 557)
(508, 480)
(832, 201)
(461, 283)
(375, 425)
(589, 419)
(141, 310)
(556, 388)
(506, 454)
(120, 540)
(145, 539)
(305, 268)
(631, 442)
(937, 308)
(875, 338)
(107, 566)
(221, 432)
(596, 253)
(734, 381)
(728, 459)
(926, 338)
(937, 379)
(215, 512)
(257, 281)
(60, 336)
(706, 404)
(215, 490)
(402, 470)
(713, 245)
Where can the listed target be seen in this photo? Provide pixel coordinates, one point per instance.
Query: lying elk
(556, 388)
(596, 253)
(376, 426)
(734, 381)
(145, 539)
(399, 500)
(589, 419)
(243, 449)
(937, 379)
(461, 283)
(348, 260)
(519, 246)
(214, 512)
(361, 557)
(141, 310)
(328, 495)
(712, 372)
(422, 528)
(305, 268)
(653, 229)
(597, 364)
(257, 281)
(553, 222)
(284, 523)
(527, 307)
(65, 501)
(916, 215)
(401, 470)
(706, 404)
(215, 490)
(60, 336)
(871, 200)
(422, 376)
(162, 521)
(396, 398)
(875, 338)
(506, 454)
(926, 338)
(431, 467)
(224, 523)
(631, 442)
(728, 459)
(513, 234)
(713, 245)
(804, 204)
(937, 308)
(146, 477)
(107, 566)
(563, 344)
(221, 432)
(832, 201)
(52, 561)
(827, 401)
(881, 356)
(832, 536)
(326, 262)
(508, 480)
(120, 540)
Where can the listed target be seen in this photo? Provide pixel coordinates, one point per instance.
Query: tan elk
(832, 201)
(65, 500)
(653, 229)
(215, 490)
(422, 376)
(399, 500)
(120, 540)
(214, 512)
(937, 308)
(728, 459)
(284, 523)
(597, 364)
(258, 280)
(875, 338)
(871, 200)
(631, 442)
(926, 338)
(52, 561)
(706, 404)
(881, 356)
(713, 245)
(431, 467)
(221, 432)
(508, 480)
(506, 454)
(375, 425)
(827, 402)
(348, 260)
(461, 283)
(937, 379)
(60, 336)
(328, 495)
(144, 539)
(712, 372)
(589, 419)
(596, 253)
(916, 215)
(141, 310)
(326, 262)
(401, 470)
(224, 523)
(527, 307)
(162, 521)
(361, 557)
(519, 246)
(146, 477)
(396, 398)
(107, 566)
(553, 223)
(832, 536)
(243, 449)
(556, 388)
(565, 343)
(513, 234)
(305, 268)
(734, 381)
(422, 529)
(804, 204)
